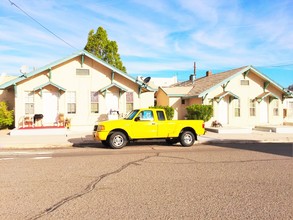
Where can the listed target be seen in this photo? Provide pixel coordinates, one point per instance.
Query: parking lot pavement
(85, 137)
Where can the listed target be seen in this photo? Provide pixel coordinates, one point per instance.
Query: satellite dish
(147, 80)
(23, 69)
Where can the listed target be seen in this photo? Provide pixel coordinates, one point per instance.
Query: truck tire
(187, 138)
(117, 140)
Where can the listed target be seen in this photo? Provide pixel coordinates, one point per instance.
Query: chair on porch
(60, 120)
(27, 121)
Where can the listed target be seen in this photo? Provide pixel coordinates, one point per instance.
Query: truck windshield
(131, 115)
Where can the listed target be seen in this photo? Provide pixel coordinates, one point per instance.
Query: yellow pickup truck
(147, 123)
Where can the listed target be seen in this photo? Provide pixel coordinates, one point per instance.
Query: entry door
(50, 107)
(263, 114)
(223, 111)
(112, 105)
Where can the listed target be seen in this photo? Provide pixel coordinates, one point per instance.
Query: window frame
(29, 103)
(71, 102)
(129, 101)
(237, 108)
(275, 104)
(95, 101)
(252, 107)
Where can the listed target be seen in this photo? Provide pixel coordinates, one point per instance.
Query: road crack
(90, 187)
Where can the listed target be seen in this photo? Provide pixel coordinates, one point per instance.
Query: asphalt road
(228, 181)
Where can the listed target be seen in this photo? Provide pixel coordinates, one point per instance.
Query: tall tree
(105, 49)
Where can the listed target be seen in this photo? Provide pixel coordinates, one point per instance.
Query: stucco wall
(245, 94)
(65, 76)
(224, 109)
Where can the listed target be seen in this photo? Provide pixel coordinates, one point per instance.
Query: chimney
(208, 73)
(191, 78)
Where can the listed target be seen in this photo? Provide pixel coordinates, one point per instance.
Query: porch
(50, 130)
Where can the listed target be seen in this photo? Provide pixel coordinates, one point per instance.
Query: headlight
(101, 127)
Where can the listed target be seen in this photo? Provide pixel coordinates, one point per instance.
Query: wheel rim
(118, 140)
(188, 138)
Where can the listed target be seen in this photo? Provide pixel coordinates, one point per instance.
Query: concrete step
(230, 130)
(276, 129)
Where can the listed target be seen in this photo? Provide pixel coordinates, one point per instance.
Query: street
(148, 181)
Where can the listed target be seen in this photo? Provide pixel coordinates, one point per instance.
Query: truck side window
(161, 116)
(146, 115)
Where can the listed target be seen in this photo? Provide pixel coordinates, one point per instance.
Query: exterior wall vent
(82, 72)
(244, 82)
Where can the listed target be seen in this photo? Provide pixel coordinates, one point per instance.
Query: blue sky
(157, 38)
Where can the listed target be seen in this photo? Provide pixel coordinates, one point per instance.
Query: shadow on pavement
(88, 141)
(283, 149)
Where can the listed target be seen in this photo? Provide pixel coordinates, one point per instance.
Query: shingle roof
(176, 91)
(204, 84)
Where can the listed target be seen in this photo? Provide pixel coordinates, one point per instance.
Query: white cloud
(151, 35)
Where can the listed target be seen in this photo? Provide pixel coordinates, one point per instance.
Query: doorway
(50, 107)
(263, 112)
(223, 111)
(112, 104)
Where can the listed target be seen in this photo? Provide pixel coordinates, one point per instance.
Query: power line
(278, 65)
(12, 3)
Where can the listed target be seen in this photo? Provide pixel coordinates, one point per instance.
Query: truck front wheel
(117, 140)
(187, 138)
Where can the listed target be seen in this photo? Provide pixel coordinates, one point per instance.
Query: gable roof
(60, 61)
(47, 84)
(113, 85)
(203, 85)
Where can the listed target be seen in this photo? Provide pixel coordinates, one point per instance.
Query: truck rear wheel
(117, 140)
(187, 138)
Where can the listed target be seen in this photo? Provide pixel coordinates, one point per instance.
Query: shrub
(199, 112)
(6, 116)
(169, 111)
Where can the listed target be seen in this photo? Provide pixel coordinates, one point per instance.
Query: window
(182, 101)
(29, 103)
(71, 102)
(146, 115)
(275, 104)
(236, 107)
(161, 116)
(252, 107)
(129, 101)
(94, 102)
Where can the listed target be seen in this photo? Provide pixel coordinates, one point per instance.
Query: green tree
(6, 116)
(199, 112)
(105, 49)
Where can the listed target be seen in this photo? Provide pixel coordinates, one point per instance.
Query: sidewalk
(82, 138)
(253, 137)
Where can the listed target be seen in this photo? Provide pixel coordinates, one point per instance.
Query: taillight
(202, 125)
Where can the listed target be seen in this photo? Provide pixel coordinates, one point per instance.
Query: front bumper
(100, 135)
